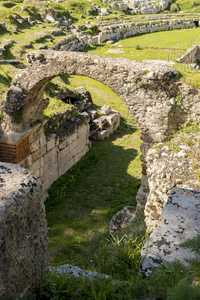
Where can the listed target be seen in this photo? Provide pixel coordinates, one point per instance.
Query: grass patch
(55, 106)
(81, 215)
(168, 40)
(190, 128)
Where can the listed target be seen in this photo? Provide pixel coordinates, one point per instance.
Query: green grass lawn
(174, 39)
(94, 190)
(167, 45)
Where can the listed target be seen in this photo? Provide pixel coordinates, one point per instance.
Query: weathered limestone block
(104, 126)
(175, 163)
(51, 142)
(100, 122)
(75, 271)
(123, 218)
(180, 220)
(105, 110)
(164, 4)
(190, 56)
(23, 231)
(50, 15)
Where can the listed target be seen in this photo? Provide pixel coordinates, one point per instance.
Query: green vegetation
(55, 106)
(189, 129)
(193, 244)
(79, 219)
(185, 5)
(93, 30)
(170, 281)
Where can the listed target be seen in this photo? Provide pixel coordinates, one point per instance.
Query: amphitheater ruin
(149, 91)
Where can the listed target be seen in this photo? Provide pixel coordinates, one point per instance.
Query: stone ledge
(179, 221)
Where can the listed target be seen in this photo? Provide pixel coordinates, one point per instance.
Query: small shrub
(166, 276)
(93, 30)
(174, 8)
(190, 128)
(137, 47)
(193, 244)
(8, 4)
(178, 99)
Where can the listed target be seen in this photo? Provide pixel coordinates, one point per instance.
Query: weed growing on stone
(193, 244)
(190, 128)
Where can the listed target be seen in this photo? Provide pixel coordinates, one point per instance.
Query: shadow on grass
(87, 196)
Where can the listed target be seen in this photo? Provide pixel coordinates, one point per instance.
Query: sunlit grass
(79, 221)
(55, 106)
(167, 45)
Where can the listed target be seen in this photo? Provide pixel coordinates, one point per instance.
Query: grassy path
(100, 185)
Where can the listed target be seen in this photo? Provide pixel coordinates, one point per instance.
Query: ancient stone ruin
(23, 235)
(191, 57)
(179, 222)
(152, 92)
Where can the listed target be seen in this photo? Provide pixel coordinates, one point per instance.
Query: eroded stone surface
(123, 218)
(23, 231)
(78, 272)
(175, 163)
(180, 220)
(105, 125)
(127, 78)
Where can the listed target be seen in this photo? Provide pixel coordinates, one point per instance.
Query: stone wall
(173, 164)
(121, 31)
(190, 56)
(23, 232)
(127, 30)
(51, 149)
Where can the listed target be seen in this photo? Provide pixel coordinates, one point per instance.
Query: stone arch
(146, 88)
(143, 87)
